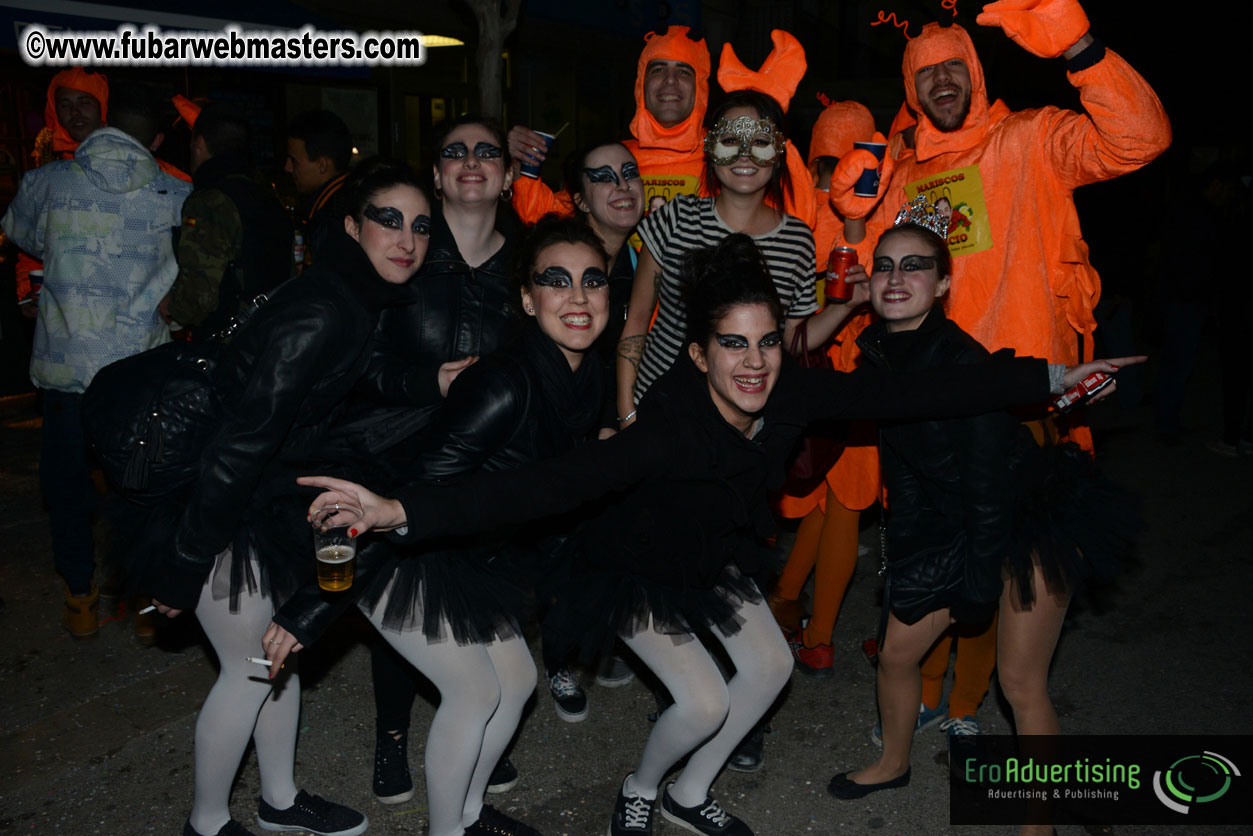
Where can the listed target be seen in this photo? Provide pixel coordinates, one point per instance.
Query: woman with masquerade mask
(236, 551)
(746, 172)
(673, 551)
(462, 306)
(453, 611)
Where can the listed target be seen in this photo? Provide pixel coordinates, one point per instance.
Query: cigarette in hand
(257, 660)
(147, 609)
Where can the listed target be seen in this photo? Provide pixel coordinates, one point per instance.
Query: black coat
(457, 310)
(520, 405)
(281, 381)
(952, 485)
(690, 490)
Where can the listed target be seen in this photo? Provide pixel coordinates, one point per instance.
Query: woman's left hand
(859, 284)
(278, 643)
(168, 612)
(1074, 374)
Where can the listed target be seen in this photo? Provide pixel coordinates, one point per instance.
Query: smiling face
(741, 362)
(78, 112)
(568, 294)
(742, 163)
(669, 91)
(905, 280)
(944, 93)
(394, 232)
(612, 192)
(471, 168)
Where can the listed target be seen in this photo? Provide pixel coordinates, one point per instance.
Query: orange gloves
(1046, 28)
(849, 168)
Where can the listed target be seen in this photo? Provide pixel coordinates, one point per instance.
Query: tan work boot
(81, 613)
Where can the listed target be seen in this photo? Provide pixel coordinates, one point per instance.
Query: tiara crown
(923, 213)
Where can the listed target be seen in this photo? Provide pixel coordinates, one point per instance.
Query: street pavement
(96, 736)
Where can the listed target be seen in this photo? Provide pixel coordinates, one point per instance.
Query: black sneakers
(313, 814)
(632, 815)
(492, 822)
(750, 755)
(392, 782)
(568, 697)
(708, 818)
(231, 828)
(503, 778)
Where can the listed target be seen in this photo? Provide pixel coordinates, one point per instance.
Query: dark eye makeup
(559, 277)
(771, 340)
(602, 174)
(454, 151)
(390, 217)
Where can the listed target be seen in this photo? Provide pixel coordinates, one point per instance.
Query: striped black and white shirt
(688, 223)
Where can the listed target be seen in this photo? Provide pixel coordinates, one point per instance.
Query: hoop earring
(507, 194)
(439, 193)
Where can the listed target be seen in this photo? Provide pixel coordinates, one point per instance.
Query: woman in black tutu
(236, 552)
(966, 524)
(673, 551)
(452, 608)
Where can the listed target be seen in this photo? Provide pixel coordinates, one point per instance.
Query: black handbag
(149, 416)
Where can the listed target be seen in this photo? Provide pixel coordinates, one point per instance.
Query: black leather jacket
(281, 380)
(518, 406)
(459, 310)
(952, 485)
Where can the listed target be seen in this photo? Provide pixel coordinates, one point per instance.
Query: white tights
(483, 689)
(708, 712)
(243, 703)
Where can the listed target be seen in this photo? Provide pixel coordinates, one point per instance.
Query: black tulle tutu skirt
(599, 604)
(469, 596)
(1072, 522)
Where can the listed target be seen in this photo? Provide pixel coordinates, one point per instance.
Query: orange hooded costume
(1021, 275)
(854, 478)
(671, 160)
(62, 144)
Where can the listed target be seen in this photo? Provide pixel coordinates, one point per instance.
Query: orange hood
(838, 127)
(75, 78)
(937, 44)
(675, 45)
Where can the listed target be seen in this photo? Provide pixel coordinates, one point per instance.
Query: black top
(457, 311)
(694, 489)
(280, 380)
(952, 485)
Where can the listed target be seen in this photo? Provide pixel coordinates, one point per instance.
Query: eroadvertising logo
(1002, 779)
(1194, 780)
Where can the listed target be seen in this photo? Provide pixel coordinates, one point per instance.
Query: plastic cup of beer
(334, 548)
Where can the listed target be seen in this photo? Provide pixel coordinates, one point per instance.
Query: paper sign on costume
(660, 189)
(959, 193)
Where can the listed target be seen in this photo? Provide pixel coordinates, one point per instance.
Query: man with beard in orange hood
(1021, 274)
(671, 92)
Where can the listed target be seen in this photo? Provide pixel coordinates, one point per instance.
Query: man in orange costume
(826, 541)
(1021, 275)
(78, 102)
(671, 93)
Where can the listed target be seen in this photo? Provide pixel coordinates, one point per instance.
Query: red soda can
(836, 288)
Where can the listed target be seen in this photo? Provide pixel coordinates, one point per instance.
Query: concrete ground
(95, 736)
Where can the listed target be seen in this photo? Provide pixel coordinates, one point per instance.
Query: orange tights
(972, 674)
(826, 544)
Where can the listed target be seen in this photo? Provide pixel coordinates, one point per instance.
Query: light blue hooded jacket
(102, 224)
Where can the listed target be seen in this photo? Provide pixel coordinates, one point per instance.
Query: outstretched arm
(631, 346)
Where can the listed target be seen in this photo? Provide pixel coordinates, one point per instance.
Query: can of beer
(836, 289)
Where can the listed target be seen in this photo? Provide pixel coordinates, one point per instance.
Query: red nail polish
(352, 532)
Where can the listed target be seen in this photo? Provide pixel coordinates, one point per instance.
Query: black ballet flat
(842, 787)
